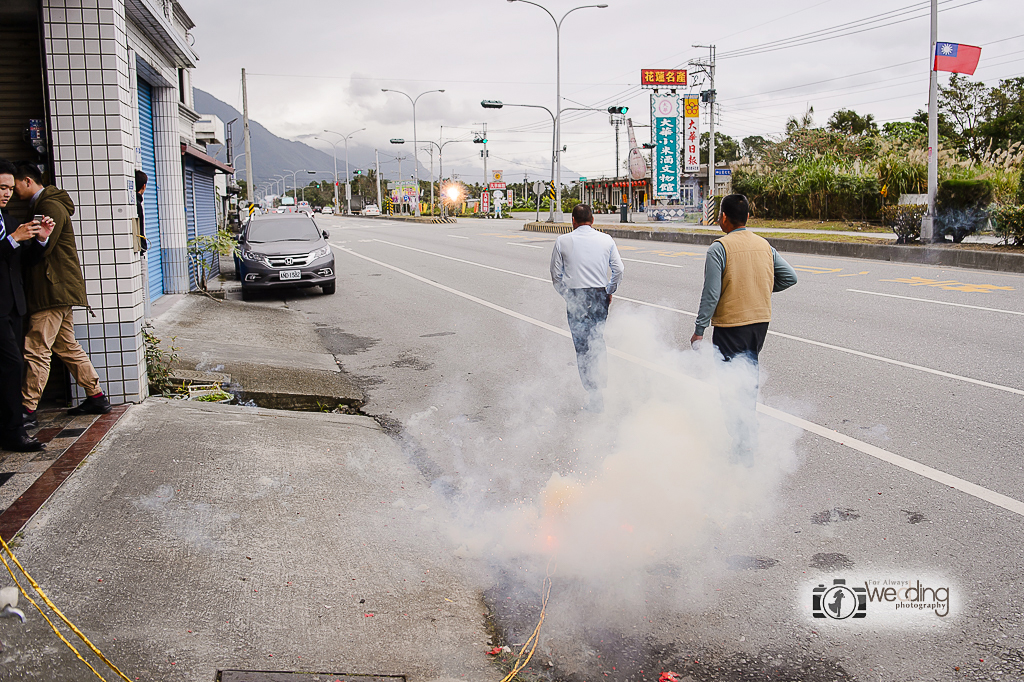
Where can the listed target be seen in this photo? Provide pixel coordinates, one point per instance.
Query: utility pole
(928, 222)
(248, 150)
(380, 199)
(482, 137)
(709, 97)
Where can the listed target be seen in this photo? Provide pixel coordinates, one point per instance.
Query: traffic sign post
(538, 190)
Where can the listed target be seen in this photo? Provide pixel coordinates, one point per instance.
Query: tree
(911, 132)
(803, 123)
(753, 146)
(726, 148)
(1004, 114)
(850, 122)
(963, 103)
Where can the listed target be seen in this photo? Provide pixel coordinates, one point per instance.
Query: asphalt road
(892, 401)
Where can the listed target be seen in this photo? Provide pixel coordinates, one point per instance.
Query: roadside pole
(248, 150)
(380, 200)
(928, 222)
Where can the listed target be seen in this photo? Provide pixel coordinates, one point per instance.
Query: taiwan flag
(956, 58)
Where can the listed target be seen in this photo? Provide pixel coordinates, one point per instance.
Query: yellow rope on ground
(535, 637)
(53, 607)
(52, 626)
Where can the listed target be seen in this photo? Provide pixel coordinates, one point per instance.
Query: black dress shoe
(29, 421)
(23, 443)
(94, 405)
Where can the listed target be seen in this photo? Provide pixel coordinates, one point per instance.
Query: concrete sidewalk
(274, 355)
(202, 537)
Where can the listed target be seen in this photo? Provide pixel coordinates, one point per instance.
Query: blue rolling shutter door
(206, 210)
(190, 217)
(151, 206)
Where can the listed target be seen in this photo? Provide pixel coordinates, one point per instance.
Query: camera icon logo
(839, 601)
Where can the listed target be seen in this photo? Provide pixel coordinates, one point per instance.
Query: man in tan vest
(741, 272)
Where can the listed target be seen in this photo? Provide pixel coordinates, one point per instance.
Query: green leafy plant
(158, 362)
(217, 397)
(1009, 223)
(202, 250)
(905, 221)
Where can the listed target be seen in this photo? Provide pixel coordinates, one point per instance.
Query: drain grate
(70, 433)
(297, 676)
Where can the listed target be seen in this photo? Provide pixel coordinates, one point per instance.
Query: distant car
(370, 209)
(327, 210)
(280, 209)
(284, 251)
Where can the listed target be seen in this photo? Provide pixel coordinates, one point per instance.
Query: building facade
(102, 88)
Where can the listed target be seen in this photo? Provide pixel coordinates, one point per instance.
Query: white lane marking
(930, 300)
(529, 246)
(850, 351)
(923, 470)
(457, 236)
(652, 262)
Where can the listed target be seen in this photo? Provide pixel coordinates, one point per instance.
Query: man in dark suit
(23, 244)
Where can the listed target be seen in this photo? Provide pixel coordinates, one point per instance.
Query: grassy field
(832, 225)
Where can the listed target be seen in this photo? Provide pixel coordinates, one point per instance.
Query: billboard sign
(691, 135)
(662, 78)
(665, 119)
(404, 192)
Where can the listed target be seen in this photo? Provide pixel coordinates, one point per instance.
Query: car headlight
(253, 256)
(319, 253)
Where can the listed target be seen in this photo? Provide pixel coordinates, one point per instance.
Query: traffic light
(357, 172)
(648, 145)
(617, 110)
(707, 96)
(480, 140)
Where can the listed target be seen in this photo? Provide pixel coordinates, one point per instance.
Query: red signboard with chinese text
(662, 78)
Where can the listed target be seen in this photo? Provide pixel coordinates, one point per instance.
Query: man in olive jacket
(52, 287)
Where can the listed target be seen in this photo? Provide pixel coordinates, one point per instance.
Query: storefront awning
(200, 155)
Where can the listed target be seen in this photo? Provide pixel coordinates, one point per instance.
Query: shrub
(1009, 223)
(905, 221)
(960, 207)
(1020, 190)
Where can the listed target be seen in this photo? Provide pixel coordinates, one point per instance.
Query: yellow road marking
(814, 270)
(949, 285)
(853, 274)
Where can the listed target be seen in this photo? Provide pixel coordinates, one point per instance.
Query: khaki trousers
(53, 330)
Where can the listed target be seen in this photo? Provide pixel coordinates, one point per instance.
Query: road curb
(947, 256)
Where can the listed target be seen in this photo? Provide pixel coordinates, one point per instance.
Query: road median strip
(946, 256)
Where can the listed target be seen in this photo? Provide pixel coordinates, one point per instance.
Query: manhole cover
(191, 376)
(295, 676)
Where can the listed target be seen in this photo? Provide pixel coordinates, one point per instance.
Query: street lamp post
(295, 186)
(440, 170)
(415, 140)
(348, 189)
(497, 104)
(558, 95)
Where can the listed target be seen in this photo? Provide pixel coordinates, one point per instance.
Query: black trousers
(12, 373)
(746, 340)
(587, 310)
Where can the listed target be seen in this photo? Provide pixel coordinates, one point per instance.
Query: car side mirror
(327, 235)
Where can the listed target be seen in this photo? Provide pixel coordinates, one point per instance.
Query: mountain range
(272, 155)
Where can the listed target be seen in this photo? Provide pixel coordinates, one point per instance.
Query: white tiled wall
(92, 121)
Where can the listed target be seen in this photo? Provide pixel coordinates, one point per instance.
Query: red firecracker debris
(669, 676)
(367, 615)
(495, 651)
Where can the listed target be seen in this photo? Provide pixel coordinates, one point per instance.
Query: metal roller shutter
(150, 203)
(206, 209)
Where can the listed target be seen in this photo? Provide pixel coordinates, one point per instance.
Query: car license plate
(291, 274)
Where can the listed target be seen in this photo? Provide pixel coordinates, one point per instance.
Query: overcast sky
(321, 64)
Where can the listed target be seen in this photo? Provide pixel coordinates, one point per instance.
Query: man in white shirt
(580, 265)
